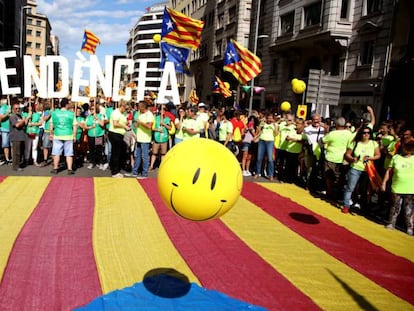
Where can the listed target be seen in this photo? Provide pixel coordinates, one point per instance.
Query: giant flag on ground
(176, 55)
(243, 64)
(181, 30)
(90, 41)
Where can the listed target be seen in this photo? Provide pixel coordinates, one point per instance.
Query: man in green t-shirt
(335, 143)
(63, 128)
(5, 111)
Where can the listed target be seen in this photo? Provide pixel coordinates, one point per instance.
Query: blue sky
(110, 20)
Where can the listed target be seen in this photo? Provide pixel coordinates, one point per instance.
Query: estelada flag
(302, 111)
(243, 64)
(90, 41)
(193, 97)
(223, 89)
(181, 30)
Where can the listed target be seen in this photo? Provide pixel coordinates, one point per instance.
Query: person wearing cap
(335, 143)
(5, 129)
(401, 169)
(203, 117)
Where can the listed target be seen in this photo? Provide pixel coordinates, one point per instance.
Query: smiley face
(199, 179)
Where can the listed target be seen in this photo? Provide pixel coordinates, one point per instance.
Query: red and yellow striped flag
(90, 41)
(181, 30)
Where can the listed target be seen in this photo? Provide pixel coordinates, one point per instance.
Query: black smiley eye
(196, 175)
(213, 181)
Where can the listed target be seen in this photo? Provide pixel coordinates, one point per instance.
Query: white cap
(201, 105)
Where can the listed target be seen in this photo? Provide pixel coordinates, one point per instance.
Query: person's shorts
(245, 146)
(5, 139)
(46, 143)
(65, 146)
(159, 148)
(332, 170)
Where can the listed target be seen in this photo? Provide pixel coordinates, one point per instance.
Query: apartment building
(141, 46)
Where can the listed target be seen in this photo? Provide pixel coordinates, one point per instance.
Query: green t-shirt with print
(403, 172)
(285, 130)
(296, 146)
(5, 124)
(268, 131)
(63, 122)
(362, 150)
(144, 135)
(161, 137)
(225, 128)
(97, 130)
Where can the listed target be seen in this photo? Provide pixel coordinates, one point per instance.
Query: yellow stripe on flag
(19, 198)
(375, 233)
(129, 239)
(328, 282)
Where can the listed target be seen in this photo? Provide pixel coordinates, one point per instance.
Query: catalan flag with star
(222, 87)
(90, 41)
(239, 61)
(181, 30)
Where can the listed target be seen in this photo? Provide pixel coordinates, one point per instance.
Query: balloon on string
(285, 106)
(299, 86)
(156, 38)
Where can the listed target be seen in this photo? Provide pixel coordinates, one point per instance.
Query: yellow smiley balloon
(199, 179)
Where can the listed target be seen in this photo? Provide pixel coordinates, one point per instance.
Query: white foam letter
(64, 69)
(4, 72)
(169, 71)
(97, 74)
(78, 81)
(129, 64)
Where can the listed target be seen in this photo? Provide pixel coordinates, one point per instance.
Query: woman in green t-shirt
(359, 151)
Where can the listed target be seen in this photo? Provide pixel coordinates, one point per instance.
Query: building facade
(141, 46)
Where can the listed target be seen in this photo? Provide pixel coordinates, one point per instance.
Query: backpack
(172, 130)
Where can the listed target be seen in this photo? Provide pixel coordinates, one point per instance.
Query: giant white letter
(78, 81)
(62, 63)
(141, 79)
(169, 71)
(129, 66)
(31, 74)
(4, 72)
(97, 74)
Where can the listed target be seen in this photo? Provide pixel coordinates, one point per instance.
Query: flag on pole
(222, 87)
(90, 41)
(181, 30)
(193, 97)
(243, 64)
(176, 55)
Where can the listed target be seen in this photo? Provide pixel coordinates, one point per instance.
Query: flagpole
(256, 35)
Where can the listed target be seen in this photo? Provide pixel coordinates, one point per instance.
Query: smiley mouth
(204, 219)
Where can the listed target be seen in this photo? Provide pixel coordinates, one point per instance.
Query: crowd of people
(350, 163)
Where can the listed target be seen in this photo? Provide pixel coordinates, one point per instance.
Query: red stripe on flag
(392, 272)
(2, 178)
(52, 265)
(223, 262)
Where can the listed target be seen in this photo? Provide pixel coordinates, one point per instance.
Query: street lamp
(256, 39)
(22, 10)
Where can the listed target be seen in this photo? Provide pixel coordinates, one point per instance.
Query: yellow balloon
(156, 38)
(299, 87)
(285, 106)
(197, 186)
(227, 85)
(294, 81)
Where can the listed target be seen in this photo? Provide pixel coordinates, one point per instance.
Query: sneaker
(245, 173)
(130, 175)
(248, 173)
(390, 226)
(90, 166)
(71, 172)
(18, 169)
(119, 175)
(54, 171)
(357, 205)
(142, 177)
(104, 166)
(3, 162)
(410, 231)
(345, 210)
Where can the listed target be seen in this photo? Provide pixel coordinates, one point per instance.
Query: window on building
(232, 14)
(367, 53)
(312, 14)
(371, 6)
(28, 44)
(29, 32)
(345, 9)
(38, 23)
(220, 21)
(37, 57)
(219, 47)
(286, 23)
(38, 33)
(37, 45)
(29, 21)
